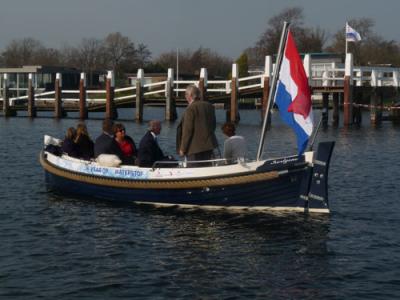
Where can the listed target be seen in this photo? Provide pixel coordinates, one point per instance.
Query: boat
(291, 183)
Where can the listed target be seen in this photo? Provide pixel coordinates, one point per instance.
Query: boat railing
(194, 163)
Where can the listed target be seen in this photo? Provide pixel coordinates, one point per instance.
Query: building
(43, 78)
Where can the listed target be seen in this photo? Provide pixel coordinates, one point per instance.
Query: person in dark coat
(68, 145)
(149, 149)
(105, 143)
(196, 132)
(83, 142)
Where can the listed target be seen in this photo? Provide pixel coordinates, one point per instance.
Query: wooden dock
(336, 86)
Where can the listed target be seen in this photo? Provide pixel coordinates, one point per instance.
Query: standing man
(195, 134)
(149, 150)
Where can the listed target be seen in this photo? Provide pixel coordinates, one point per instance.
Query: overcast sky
(225, 26)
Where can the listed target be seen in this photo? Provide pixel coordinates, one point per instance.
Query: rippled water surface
(55, 247)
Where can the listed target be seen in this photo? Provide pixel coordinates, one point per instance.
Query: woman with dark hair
(68, 145)
(125, 143)
(83, 142)
(235, 145)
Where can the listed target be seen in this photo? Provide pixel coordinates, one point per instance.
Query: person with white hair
(149, 149)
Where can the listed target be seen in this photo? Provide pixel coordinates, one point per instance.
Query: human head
(71, 133)
(118, 128)
(228, 129)
(155, 126)
(192, 93)
(81, 129)
(108, 126)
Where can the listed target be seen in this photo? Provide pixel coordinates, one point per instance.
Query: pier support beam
(203, 84)
(83, 112)
(170, 107)
(139, 96)
(266, 86)
(348, 91)
(58, 106)
(335, 113)
(325, 109)
(111, 111)
(31, 97)
(234, 104)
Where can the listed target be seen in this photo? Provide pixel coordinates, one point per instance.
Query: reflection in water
(58, 247)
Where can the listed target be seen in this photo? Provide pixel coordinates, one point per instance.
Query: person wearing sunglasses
(125, 143)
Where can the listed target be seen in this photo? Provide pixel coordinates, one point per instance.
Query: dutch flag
(293, 96)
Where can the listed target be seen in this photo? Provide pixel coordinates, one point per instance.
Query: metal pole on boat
(315, 134)
(273, 87)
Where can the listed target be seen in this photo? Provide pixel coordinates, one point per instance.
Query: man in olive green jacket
(195, 134)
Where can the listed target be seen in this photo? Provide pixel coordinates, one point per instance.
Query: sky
(225, 26)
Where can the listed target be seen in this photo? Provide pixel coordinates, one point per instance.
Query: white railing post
(307, 66)
(374, 78)
(395, 78)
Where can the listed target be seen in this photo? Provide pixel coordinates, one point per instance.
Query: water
(55, 247)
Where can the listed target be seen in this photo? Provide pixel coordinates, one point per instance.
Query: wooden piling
(139, 96)
(203, 84)
(58, 109)
(83, 112)
(348, 91)
(335, 106)
(170, 107)
(31, 97)
(234, 103)
(325, 109)
(266, 86)
(376, 107)
(7, 112)
(111, 111)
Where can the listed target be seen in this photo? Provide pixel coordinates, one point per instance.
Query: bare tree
(120, 51)
(190, 62)
(268, 42)
(21, 52)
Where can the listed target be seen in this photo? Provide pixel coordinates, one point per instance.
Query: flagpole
(345, 38)
(271, 95)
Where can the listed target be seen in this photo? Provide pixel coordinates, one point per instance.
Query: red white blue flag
(293, 96)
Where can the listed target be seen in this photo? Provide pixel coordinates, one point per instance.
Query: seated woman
(235, 145)
(83, 142)
(68, 145)
(126, 144)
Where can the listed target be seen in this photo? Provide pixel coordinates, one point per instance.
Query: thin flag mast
(273, 87)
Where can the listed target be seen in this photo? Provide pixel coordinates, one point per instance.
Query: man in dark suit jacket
(149, 150)
(196, 133)
(105, 143)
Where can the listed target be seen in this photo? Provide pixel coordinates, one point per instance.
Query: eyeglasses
(121, 130)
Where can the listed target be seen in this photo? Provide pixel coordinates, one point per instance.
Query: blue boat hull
(280, 192)
(284, 185)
